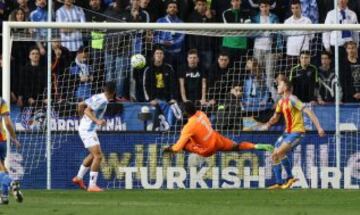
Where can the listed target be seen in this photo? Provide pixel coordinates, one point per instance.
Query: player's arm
(315, 120)
(81, 108)
(182, 89)
(90, 113)
(273, 120)
(180, 144)
(10, 128)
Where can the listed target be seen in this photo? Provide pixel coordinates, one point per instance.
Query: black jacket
(159, 82)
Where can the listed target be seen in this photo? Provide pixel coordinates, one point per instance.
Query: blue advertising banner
(136, 161)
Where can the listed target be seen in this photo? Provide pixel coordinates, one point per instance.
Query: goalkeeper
(200, 138)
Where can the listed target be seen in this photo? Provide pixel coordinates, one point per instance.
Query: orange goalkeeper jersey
(199, 137)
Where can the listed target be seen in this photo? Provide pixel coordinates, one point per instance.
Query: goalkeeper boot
(289, 182)
(79, 182)
(4, 200)
(15, 189)
(264, 147)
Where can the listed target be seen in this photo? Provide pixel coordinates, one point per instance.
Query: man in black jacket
(349, 73)
(32, 81)
(218, 79)
(160, 89)
(304, 78)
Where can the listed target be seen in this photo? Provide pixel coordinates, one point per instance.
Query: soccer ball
(138, 61)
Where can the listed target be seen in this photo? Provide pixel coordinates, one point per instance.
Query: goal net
(234, 85)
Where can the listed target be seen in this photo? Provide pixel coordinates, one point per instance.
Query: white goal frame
(7, 26)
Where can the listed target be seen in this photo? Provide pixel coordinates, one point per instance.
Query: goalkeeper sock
(246, 146)
(277, 173)
(82, 171)
(93, 178)
(5, 183)
(288, 166)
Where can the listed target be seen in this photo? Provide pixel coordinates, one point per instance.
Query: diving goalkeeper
(200, 138)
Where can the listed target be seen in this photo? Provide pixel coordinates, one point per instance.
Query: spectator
(32, 81)
(310, 10)
(158, 84)
(60, 61)
(114, 11)
(296, 41)
(95, 14)
(218, 79)
(19, 54)
(218, 7)
(327, 80)
(236, 46)
(173, 43)
(18, 15)
(82, 75)
(121, 45)
(354, 5)
(256, 94)
(155, 8)
(185, 8)
(204, 44)
(192, 80)
(349, 71)
(140, 15)
(277, 7)
(324, 7)
(40, 15)
(304, 78)
(267, 47)
(228, 115)
(23, 4)
(71, 38)
(346, 16)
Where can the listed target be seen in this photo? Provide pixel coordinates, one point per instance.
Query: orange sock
(246, 145)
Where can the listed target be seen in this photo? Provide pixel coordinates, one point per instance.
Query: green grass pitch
(186, 202)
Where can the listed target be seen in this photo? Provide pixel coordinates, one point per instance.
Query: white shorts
(89, 138)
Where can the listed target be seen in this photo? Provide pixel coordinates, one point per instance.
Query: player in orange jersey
(6, 181)
(292, 109)
(200, 138)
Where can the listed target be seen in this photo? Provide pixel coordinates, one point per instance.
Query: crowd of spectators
(181, 67)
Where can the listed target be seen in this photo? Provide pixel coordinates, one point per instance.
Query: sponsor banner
(135, 161)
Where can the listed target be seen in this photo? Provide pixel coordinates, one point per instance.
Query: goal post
(217, 30)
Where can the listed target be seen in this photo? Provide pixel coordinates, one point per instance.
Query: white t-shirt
(297, 41)
(329, 38)
(263, 42)
(98, 103)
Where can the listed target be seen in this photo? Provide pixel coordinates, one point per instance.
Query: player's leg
(8, 183)
(84, 168)
(291, 141)
(225, 144)
(95, 166)
(246, 145)
(5, 182)
(279, 157)
(276, 163)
